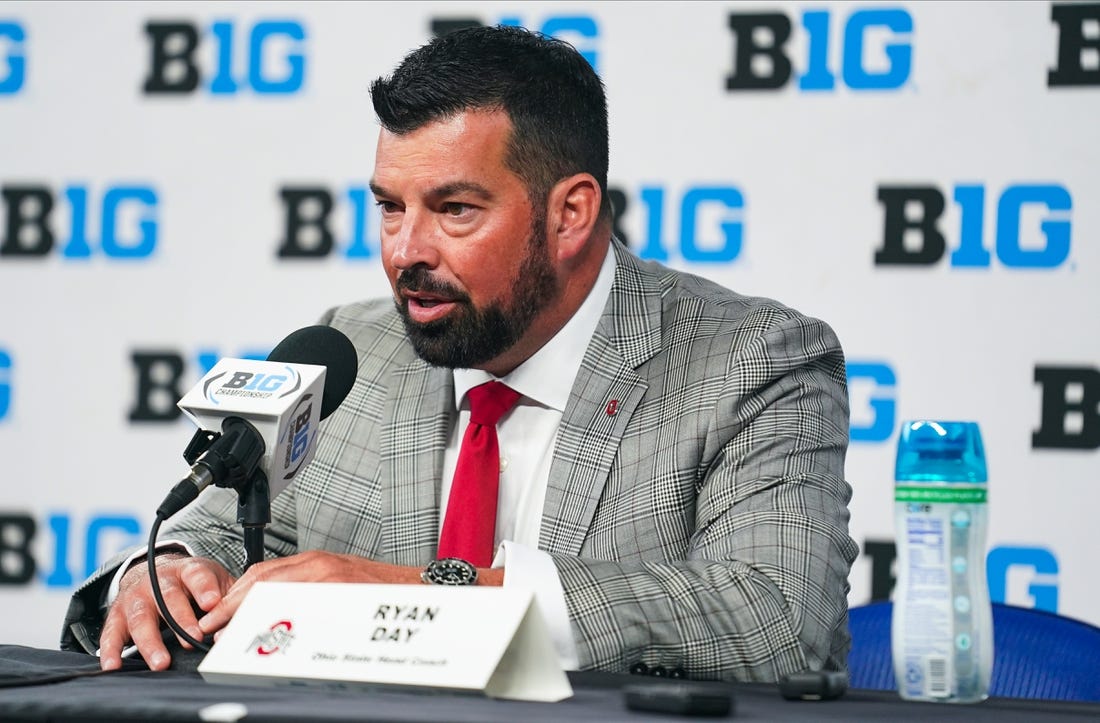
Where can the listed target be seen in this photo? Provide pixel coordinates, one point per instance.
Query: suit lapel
(605, 395)
(419, 410)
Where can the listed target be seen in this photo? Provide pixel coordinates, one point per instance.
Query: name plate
(490, 640)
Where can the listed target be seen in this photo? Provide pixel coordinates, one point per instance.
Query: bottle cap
(940, 452)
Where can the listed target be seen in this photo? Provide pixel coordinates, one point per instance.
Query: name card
(480, 639)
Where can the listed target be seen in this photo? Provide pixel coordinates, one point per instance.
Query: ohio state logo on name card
(275, 639)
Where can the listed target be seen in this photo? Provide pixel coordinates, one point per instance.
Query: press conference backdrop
(184, 181)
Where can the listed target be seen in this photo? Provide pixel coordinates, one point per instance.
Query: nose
(412, 243)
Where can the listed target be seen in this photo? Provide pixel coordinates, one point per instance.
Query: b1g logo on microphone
(13, 62)
(876, 50)
(709, 220)
(295, 439)
(159, 374)
(127, 216)
(253, 385)
(267, 57)
(580, 31)
(1069, 415)
(1078, 45)
(912, 236)
(872, 391)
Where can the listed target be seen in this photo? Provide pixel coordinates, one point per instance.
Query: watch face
(450, 571)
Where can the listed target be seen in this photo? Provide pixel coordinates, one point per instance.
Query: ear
(573, 211)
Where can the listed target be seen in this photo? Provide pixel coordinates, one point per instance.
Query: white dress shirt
(527, 436)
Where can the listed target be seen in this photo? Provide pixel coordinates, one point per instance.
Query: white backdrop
(780, 188)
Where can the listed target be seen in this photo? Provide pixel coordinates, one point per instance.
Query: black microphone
(323, 346)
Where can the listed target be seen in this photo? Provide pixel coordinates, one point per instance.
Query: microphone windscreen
(323, 346)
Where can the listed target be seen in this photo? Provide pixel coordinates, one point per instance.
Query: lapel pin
(612, 407)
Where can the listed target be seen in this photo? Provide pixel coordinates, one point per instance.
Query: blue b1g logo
(761, 60)
(267, 57)
(873, 397)
(13, 63)
(127, 215)
(913, 236)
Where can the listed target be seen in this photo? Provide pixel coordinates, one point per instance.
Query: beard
(470, 336)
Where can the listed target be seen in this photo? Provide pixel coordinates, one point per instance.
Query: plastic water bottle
(942, 628)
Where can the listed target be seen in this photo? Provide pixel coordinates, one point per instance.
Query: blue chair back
(1037, 654)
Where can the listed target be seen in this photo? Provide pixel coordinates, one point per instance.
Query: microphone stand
(229, 459)
(254, 514)
(232, 459)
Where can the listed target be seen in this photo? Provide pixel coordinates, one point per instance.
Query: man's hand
(133, 617)
(318, 566)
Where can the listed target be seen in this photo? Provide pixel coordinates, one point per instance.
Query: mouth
(424, 307)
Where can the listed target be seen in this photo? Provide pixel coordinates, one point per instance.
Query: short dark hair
(552, 96)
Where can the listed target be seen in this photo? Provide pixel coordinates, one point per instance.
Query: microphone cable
(150, 558)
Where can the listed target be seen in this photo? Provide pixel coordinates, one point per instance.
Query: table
(135, 693)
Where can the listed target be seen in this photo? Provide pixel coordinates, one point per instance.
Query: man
(671, 479)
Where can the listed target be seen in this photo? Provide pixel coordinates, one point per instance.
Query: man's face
(464, 251)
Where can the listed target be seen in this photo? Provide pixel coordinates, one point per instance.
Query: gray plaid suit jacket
(702, 525)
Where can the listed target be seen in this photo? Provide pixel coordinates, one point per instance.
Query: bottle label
(940, 493)
(942, 629)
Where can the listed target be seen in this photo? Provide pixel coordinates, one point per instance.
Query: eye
(455, 209)
(387, 207)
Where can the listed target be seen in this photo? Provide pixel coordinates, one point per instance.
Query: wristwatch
(449, 571)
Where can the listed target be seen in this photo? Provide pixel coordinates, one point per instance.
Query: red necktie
(471, 520)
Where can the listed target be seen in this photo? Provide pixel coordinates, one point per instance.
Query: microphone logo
(298, 436)
(252, 385)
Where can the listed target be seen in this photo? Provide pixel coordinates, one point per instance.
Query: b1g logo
(708, 220)
(761, 61)
(127, 217)
(159, 375)
(91, 541)
(912, 236)
(297, 436)
(1078, 45)
(1070, 412)
(247, 381)
(5, 384)
(267, 57)
(13, 62)
(580, 31)
(873, 395)
(247, 384)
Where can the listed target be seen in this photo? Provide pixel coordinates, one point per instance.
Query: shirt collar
(547, 377)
